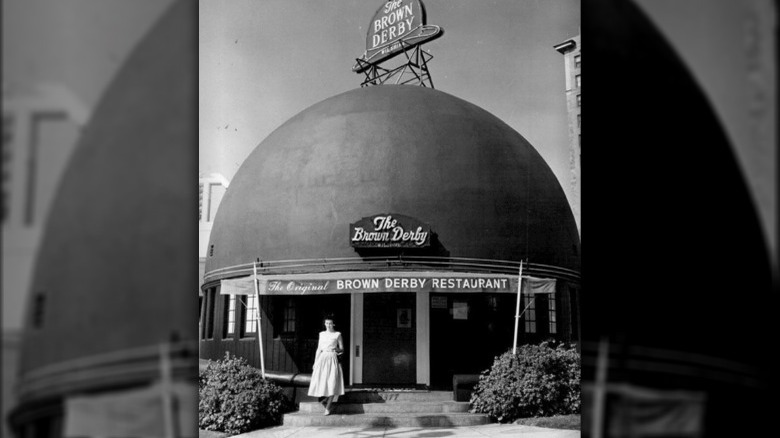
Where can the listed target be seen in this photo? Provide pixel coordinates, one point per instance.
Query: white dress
(327, 378)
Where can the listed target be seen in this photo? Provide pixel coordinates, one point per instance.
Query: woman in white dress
(327, 378)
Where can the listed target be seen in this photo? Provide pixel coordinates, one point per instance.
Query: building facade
(405, 212)
(571, 50)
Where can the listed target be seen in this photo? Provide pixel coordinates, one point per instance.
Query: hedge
(234, 398)
(540, 381)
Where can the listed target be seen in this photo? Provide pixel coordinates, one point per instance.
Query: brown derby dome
(113, 277)
(407, 150)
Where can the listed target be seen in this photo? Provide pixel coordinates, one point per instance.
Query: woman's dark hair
(330, 317)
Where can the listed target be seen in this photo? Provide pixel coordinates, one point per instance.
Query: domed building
(405, 212)
(110, 316)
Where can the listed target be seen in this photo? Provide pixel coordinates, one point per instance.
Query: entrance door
(389, 338)
(467, 332)
(297, 322)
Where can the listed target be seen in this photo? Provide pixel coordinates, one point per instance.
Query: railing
(428, 263)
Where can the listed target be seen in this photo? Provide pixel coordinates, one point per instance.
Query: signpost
(517, 305)
(259, 320)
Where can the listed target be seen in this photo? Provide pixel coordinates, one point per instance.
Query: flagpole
(259, 320)
(517, 306)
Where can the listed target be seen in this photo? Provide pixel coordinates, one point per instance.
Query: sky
(78, 44)
(262, 62)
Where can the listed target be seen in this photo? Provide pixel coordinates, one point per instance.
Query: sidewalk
(488, 430)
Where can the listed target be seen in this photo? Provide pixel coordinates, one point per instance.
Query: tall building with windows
(211, 189)
(40, 129)
(572, 60)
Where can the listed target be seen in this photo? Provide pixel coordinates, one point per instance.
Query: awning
(385, 281)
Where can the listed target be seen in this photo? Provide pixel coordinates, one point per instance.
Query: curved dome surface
(485, 191)
(112, 276)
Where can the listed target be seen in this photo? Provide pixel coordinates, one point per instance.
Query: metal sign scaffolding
(398, 28)
(413, 71)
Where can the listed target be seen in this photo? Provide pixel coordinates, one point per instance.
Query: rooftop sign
(389, 231)
(397, 25)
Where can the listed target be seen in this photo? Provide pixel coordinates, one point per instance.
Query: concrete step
(433, 407)
(363, 396)
(302, 419)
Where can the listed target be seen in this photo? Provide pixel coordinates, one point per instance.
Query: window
(249, 316)
(200, 202)
(210, 309)
(578, 80)
(289, 316)
(8, 138)
(579, 122)
(229, 319)
(579, 100)
(38, 309)
(492, 303)
(551, 312)
(530, 314)
(577, 61)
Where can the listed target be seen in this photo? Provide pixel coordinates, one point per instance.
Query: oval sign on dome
(389, 231)
(397, 24)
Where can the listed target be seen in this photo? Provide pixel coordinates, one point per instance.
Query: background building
(211, 189)
(571, 50)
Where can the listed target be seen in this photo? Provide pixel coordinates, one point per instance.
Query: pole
(517, 306)
(259, 320)
(166, 386)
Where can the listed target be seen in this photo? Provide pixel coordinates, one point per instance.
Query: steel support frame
(414, 71)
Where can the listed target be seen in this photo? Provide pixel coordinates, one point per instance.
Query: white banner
(374, 282)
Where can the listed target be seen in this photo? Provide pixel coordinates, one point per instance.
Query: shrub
(540, 381)
(234, 398)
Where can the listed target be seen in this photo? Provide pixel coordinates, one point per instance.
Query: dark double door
(389, 339)
(467, 332)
